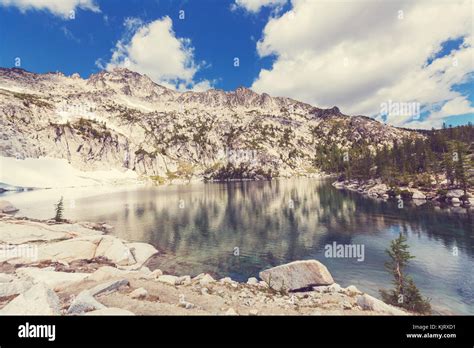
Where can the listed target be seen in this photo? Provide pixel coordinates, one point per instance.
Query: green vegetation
(144, 153)
(59, 209)
(158, 179)
(405, 293)
(237, 172)
(29, 99)
(87, 127)
(420, 161)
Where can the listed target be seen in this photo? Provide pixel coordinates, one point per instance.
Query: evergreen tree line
(447, 151)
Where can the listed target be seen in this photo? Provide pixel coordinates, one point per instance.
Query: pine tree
(405, 293)
(59, 208)
(449, 167)
(461, 166)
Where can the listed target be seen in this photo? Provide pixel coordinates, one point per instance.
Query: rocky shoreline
(450, 197)
(76, 268)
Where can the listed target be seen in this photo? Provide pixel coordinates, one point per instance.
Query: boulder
(206, 279)
(455, 201)
(351, 290)
(168, 279)
(139, 293)
(141, 253)
(38, 300)
(14, 287)
(156, 274)
(252, 281)
(70, 250)
(184, 280)
(334, 288)
(377, 190)
(231, 311)
(108, 287)
(84, 302)
(7, 208)
(50, 277)
(455, 193)
(186, 305)
(367, 302)
(417, 194)
(226, 280)
(297, 275)
(116, 251)
(107, 227)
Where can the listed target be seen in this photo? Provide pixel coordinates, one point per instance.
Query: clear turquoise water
(198, 228)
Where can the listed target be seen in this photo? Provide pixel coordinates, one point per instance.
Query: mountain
(122, 120)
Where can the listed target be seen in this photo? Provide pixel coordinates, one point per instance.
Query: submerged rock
(297, 275)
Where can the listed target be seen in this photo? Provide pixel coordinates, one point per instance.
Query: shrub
(405, 293)
(59, 208)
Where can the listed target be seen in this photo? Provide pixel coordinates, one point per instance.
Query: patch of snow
(137, 104)
(47, 172)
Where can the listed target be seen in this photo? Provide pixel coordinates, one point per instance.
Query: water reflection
(237, 229)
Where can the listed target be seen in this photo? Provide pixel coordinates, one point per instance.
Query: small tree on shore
(405, 294)
(59, 208)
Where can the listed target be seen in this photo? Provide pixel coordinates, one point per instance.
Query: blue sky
(46, 42)
(356, 55)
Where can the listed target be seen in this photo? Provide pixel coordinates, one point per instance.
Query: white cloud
(454, 107)
(153, 49)
(61, 8)
(255, 6)
(359, 54)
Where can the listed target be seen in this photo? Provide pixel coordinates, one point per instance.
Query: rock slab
(38, 300)
(297, 275)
